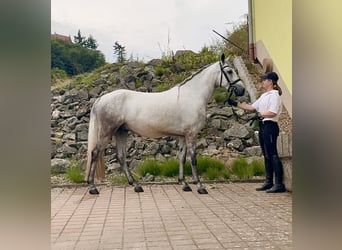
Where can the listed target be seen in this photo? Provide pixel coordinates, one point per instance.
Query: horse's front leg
(182, 159)
(121, 137)
(192, 152)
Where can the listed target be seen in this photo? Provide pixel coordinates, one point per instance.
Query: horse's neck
(202, 85)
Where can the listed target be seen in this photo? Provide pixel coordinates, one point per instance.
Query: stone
(59, 165)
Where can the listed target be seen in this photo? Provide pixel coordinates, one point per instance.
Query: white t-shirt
(269, 101)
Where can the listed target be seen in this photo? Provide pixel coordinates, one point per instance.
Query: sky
(147, 28)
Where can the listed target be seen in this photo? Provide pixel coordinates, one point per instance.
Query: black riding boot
(279, 186)
(269, 176)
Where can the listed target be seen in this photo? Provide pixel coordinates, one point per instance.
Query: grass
(258, 167)
(75, 173)
(119, 179)
(220, 95)
(241, 168)
(208, 168)
(244, 170)
(162, 87)
(170, 168)
(149, 166)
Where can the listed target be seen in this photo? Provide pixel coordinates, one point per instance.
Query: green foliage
(214, 174)
(170, 168)
(162, 87)
(89, 43)
(149, 166)
(79, 39)
(239, 36)
(85, 79)
(58, 75)
(138, 83)
(55, 172)
(159, 70)
(209, 168)
(242, 169)
(73, 58)
(75, 172)
(220, 95)
(119, 179)
(181, 77)
(123, 72)
(258, 167)
(120, 51)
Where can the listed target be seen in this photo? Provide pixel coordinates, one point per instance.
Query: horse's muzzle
(238, 90)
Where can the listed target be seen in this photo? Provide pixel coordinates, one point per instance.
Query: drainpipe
(250, 32)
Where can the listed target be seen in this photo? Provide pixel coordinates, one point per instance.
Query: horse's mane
(194, 74)
(190, 77)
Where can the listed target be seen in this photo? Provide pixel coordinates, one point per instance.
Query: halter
(231, 84)
(226, 76)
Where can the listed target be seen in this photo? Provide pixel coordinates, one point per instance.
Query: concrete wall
(272, 33)
(285, 152)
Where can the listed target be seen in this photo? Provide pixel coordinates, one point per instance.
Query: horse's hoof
(138, 189)
(186, 188)
(202, 191)
(93, 191)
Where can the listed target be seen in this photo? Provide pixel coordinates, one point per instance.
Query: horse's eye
(230, 71)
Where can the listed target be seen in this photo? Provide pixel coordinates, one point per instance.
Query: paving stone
(231, 216)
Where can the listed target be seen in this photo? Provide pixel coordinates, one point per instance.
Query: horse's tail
(92, 141)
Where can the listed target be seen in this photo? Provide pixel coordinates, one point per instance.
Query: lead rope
(236, 116)
(251, 120)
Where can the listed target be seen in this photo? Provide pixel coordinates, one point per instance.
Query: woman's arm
(245, 106)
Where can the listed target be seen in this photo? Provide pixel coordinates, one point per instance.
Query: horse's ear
(223, 58)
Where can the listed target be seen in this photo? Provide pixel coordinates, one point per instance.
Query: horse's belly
(148, 130)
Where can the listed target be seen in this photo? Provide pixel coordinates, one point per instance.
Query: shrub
(220, 95)
(149, 166)
(241, 168)
(57, 73)
(138, 83)
(211, 168)
(208, 167)
(75, 172)
(84, 79)
(258, 167)
(162, 87)
(119, 179)
(159, 71)
(170, 168)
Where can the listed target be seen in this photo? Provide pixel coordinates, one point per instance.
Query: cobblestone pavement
(231, 216)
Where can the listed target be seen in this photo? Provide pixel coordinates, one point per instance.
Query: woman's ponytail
(277, 87)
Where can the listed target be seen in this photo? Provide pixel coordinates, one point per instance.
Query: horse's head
(233, 82)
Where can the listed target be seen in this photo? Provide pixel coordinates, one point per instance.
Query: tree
(120, 51)
(91, 43)
(79, 39)
(73, 58)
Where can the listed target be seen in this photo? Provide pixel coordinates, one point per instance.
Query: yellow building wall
(272, 24)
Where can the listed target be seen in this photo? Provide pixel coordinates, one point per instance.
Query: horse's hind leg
(94, 158)
(96, 153)
(182, 159)
(121, 137)
(191, 145)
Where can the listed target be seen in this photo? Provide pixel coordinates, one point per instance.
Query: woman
(269, 107)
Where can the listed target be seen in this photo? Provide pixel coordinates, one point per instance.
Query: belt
(267, 121)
